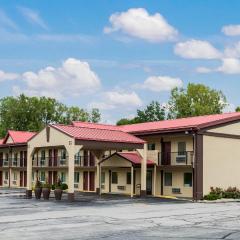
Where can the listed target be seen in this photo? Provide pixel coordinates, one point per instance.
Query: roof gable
(17, 137)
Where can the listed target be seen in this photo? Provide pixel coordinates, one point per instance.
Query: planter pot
(46, 193)
(58, 194)
(38, 193)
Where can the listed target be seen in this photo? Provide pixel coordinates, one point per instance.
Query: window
(63, 177)
(76, 177)
(114, 178)
(42, 176)
(151, 146)
(187, 179)
(14, 176)
(168, 179)
(43, 154)
(33, 176)
(129, 178)
(15, 159)
(6, 175)
(102, 177)
(63, 154)
(181, 148)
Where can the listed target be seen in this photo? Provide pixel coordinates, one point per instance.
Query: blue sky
(118, 55)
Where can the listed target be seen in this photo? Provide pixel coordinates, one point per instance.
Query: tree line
(33, 113)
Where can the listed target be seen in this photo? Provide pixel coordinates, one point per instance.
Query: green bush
(211, 197)
(231, 192)
(64, 186)
(38, 184)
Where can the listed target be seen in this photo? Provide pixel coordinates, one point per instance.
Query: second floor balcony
(50, 162)
(13, 162)
(175, 158)
(85, 161)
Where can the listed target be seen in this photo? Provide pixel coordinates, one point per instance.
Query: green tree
(238, 109)
(153, 112)
(33, 113)
(196, 100)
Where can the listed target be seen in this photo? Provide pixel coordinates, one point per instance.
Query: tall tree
(153, 112)
(33, 113)
(237, 109)
(196, 100)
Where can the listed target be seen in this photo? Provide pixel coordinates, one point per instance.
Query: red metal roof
(95, 134)
(1, 141)
(18, 137)
(182, 123)
(134, 157)
(95, 125)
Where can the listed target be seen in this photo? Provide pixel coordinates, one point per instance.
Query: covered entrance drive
(121, 174)
(98, 141)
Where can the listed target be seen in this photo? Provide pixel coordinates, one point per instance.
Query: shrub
(231, 192)
(211, 197)
(38, 184)
(64, 186)
(46, 185)
(216, 191)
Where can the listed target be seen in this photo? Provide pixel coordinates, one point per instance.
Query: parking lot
(116, 218)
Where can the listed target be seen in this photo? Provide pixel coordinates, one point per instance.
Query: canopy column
(72, 149)
(154, 179)
(143, 153)
(29, 172)
(132, 181)
(98, 155)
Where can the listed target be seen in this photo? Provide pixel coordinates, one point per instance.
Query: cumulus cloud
(232, 51)
(203, 70)
(231, 30)
(4, 76)
(160, 83)
(196, 49)
(137, 22)
(115, 99)
(73, 78)
(230, 66)
(33, 17)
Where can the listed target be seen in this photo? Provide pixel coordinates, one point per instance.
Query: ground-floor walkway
(116, 218)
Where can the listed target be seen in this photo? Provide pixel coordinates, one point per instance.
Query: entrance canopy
(101, 139)
(133, 159)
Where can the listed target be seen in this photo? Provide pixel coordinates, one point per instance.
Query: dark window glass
(188, 179)
(168, 179)
(151, 146)
(76, 177)
(114, 178)
(181, 148)
(102, 177)
(129, 178)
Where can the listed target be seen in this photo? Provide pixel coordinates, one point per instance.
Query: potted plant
(58, 190)
(46, 190)
(38, 189)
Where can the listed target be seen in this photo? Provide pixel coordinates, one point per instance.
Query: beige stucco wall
(178, 182)
(221, 162)
(233, 128)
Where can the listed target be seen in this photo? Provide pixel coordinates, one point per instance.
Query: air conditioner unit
(75, 185)
(5, 181)
(122, 188)
(102, 186)
(176, 190)
(14, 182)
(181, 159)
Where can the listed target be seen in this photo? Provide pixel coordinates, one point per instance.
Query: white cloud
(196, 49)
(5, 21)
(116, 99)
(137, 22)
(73, 78)
(232, 51)
(160, 83)
(203, 70)
(231, 30)
(4, 76)
(33, 17)
(230, 66)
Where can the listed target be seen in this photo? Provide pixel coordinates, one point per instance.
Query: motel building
(181, 158)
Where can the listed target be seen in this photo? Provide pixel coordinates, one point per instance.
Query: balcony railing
(51, 162)
(84, 161)
(175, 158)
(13, 162)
